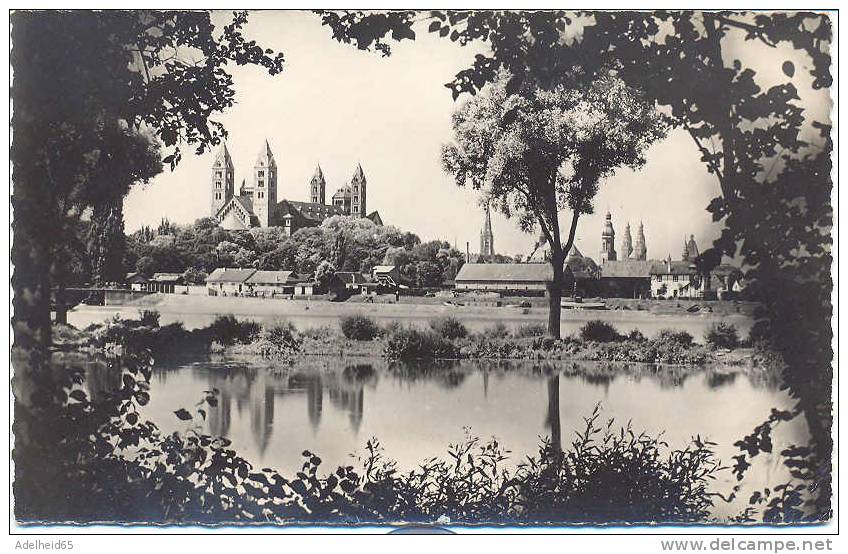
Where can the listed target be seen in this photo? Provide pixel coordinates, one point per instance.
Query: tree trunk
(554, 293)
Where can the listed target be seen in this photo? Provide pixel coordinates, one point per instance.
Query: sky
(339, 106)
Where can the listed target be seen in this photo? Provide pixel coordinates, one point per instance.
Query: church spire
(487, 239)
(626, 243)
(265, 157)
(640, 251)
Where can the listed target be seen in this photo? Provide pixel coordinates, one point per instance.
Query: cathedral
(256, 203)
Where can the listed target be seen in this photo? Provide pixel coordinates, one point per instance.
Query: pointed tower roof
(358, 174)
(487, 223)
(265, 157)
(318, 175)
(574, 253)
(223, 155)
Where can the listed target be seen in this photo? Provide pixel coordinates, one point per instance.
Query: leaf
(434, 26)
(132, 418)
(789, 68)
(182, 414)
(143, 398)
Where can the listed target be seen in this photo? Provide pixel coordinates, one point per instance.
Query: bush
(227, 330)
(530, 330)
(599, 331)
(681, 338)
(279, 339)
(449, 327)
(409, 343)
(636, 336)
(722, 335)
(149, 318)
(359, 327)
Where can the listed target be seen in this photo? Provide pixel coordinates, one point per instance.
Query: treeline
(339, 244)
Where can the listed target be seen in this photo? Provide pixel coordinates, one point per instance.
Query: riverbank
(445, 338)
(647, 316)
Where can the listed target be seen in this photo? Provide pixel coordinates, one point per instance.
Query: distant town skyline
(340, 107)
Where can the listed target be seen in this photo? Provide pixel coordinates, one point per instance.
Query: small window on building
(218, 184)
(218, 174)
(261, 183)
(261, 194)
(674, 278)
(261, 173)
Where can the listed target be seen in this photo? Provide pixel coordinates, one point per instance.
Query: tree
(775, 188)
(533, 152)
(80, 99)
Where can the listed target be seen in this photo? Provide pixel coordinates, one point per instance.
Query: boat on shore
(579, 304)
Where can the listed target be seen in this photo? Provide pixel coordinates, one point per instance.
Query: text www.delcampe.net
(753, 545)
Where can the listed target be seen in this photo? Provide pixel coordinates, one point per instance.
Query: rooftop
(505, 272)
(230, 275)
(272, 277)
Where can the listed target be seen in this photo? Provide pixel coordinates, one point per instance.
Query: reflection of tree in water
(552, 419)
(765, 378)
(448, 374)
(719, 379)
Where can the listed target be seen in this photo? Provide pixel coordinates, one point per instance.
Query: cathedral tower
(626, 243)
(264, 191)
(608, 240)
(357, 190)
(640, 251)
(223, 179)
(318, 187)
(487, 239)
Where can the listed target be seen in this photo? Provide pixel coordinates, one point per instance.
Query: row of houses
(254, 282)
(624, 279)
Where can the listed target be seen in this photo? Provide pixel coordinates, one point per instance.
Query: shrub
(449, 327)
(722, 335)
(149, 318)
(530, 330)
(681, 338)
(227, 330)
(279, 339)
(409, 343)
(599, 331)
(359, 327)
(636, 336)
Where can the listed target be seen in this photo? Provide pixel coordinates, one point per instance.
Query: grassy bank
(445, 338)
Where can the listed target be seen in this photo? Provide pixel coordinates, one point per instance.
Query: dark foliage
(449, 327)
(360, 327)
(722, 335)
(599, 331)
(409, 343)
(671, 336)
(227, 330)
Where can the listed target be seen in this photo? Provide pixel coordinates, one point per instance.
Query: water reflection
(552, 419)
(331, 406)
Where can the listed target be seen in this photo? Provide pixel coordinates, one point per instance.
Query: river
(332, 406)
